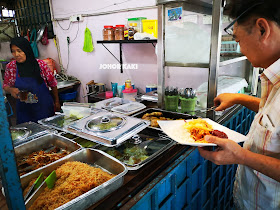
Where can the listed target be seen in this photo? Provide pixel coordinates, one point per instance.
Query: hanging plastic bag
(44, 39)
(33, 43)
(88, 46)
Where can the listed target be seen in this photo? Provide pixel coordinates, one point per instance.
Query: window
(6, 14)
(33, 14)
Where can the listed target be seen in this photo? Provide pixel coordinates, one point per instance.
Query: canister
(108, 33)
(138, 21)
(119, 32)
(150, 88)
(127, 84)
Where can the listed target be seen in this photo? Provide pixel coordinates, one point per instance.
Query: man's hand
(224, 101)
(227, 152)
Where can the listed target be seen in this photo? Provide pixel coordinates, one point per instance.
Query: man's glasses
(229, 28)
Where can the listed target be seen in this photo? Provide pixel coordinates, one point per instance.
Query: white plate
(175, 130)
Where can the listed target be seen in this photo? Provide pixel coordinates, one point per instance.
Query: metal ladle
(188, 92)
(193, 93)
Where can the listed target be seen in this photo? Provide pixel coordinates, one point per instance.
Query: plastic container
(230, 47)
(114, 88)
(79, 112)
(132, 30)
(188, 104)
(138, 21)
(119, 32)
(171, 103)
(68, 95)
(109, 94)
(127, 84)
(108, 33)
(150, 27)
(150, 88)
(129, 94)
(120, 89)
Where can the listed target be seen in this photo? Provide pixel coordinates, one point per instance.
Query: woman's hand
(57, 106)
(227, 152)
(14, 92)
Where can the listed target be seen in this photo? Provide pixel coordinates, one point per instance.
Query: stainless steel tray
(92, 157)
(35, 129)
(43, 142)
(167, 114)
(150, 142)
(57, 122)
(112, 138)
(83, 142)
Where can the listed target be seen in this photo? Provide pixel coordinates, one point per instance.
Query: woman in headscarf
(28, 73)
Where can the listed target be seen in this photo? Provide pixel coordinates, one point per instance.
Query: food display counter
(180, 177)
(175, 175)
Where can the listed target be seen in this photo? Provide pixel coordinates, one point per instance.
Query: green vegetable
(15, 134)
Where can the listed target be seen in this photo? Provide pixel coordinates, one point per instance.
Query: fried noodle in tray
(192, 132)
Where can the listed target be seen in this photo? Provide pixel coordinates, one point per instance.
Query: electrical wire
(64, 28)
(68, 56)
(115, 4)
(76, 33)
(68, 44)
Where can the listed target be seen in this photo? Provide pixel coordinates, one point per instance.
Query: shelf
(120, 42)
(194, 65)
(233, 60)
(128, 41)
(206, 65)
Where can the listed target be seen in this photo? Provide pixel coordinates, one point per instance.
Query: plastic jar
(132, 30)
(108, 33)
(129, 94)
(128, 84)
(119, 32)
(138, 21)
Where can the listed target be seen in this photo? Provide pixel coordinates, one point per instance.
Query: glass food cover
(105, 123)
(107, 128)
(140, 148)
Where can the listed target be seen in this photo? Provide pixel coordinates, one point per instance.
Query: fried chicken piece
(156, 114)
(154, 122)
(146, 116)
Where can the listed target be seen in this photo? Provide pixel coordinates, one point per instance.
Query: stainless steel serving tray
(94, 158)
(152, 142)
(167, 114)
(35, 129)
(46, 141)
(110, 139)
(83, 142)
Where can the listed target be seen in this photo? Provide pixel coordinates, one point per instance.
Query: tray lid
(33, 129)
(105, 123)
(19, 133)
(126, 127)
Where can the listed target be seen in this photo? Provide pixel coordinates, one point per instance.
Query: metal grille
(33, 14)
